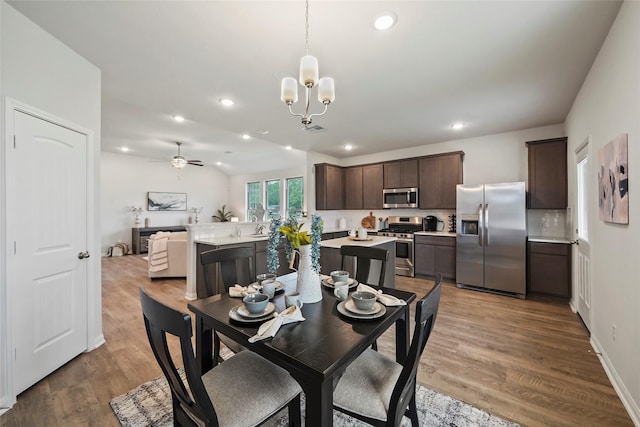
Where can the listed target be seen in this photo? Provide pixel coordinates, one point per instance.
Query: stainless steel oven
(403, 227)
(404, 257)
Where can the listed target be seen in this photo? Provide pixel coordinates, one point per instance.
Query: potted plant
(222, 215)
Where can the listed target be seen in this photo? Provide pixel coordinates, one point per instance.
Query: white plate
(279, 286)
(328, 282)
(351, 306)
(347, 313)
(242, 311)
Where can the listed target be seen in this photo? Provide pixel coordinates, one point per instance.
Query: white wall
(126, 180)
(41, 72)
(609, 104)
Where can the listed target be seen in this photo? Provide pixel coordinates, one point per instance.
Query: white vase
(308, 285)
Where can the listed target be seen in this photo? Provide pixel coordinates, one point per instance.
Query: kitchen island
(330, 258)
(202, 238)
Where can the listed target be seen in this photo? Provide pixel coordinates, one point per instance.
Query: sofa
(167, 255)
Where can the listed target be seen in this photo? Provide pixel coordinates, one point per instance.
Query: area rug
(150, 405)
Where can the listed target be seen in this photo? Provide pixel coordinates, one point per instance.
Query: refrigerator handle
(480, 225)
(486, 222)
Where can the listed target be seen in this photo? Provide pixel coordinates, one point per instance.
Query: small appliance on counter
(452, 223)
(430, 223)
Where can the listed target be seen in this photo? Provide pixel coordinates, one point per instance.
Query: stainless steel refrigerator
(491, 237)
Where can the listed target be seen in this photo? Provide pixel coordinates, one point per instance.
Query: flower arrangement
(296, 237)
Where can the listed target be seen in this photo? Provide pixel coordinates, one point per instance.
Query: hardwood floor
(528, 361)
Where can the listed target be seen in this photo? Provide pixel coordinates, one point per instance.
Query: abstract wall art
(613, 181)
(167, 201)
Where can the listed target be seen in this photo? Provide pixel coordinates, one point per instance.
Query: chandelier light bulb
(289, 91)
(326, 90)
(309, 71)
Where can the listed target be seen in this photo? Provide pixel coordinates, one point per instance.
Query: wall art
(166, 201)
(613, 181)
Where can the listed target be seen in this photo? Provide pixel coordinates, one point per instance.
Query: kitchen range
(402, 228)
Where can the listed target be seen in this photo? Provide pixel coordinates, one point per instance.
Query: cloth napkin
(241, 291)
(269, 328)
(386, 299)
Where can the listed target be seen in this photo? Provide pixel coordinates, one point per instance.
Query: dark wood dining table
(315, 351)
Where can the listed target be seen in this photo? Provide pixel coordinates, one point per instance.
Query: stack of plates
(328, 282)
(239, 313)
(349, 309)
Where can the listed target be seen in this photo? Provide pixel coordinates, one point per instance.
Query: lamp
(308, 78)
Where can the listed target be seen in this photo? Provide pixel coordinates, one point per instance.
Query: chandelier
(308, 79)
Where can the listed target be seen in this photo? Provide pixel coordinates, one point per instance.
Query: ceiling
(496, 66)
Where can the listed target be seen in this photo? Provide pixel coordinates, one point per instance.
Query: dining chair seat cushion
(242, 389)
(372, 378)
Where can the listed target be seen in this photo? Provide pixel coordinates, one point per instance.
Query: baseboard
(623, 393)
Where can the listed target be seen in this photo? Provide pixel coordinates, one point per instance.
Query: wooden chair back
(404, 390)
(160, 320)
(229, 261)
(364, 255)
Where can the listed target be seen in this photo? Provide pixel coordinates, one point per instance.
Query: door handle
(83, 255)
(480, 224)
(486, 222)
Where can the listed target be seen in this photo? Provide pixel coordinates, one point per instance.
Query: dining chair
(246, 390)
(229, 261)
(364, 255)
(380, 391)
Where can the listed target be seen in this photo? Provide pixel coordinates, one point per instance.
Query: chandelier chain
(306, 27)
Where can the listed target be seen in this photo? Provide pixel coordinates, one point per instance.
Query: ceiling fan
(179, 161)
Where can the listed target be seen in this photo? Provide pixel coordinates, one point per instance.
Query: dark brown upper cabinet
(353, 187)
(439, 176)
(547, 174)
(363, 187)
(399, 174)
(372, 179)
(329, 187)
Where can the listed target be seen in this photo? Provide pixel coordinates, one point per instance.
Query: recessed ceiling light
(124, 149)
(288, 147)
(219, 163)
(246, 136)
(384, 21)
(348, 147)
(226, 102)
(178, 119)
(457, 126)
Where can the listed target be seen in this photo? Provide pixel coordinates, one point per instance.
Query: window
(267, 197)
(273, 199)
(254, 199)
(295, 190)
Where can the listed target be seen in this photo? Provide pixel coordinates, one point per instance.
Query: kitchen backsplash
(549, 223)
(353, 218)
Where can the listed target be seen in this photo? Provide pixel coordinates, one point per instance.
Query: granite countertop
(435, 233)
(549, 239)
(230, 240)
(344, 241)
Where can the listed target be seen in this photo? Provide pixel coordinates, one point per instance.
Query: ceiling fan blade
(195, 164)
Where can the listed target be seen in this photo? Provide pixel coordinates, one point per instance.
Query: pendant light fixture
(308, 79)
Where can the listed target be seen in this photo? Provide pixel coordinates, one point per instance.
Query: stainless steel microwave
(400, 198)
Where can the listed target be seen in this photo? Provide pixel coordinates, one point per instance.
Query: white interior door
(47, 195)
(583, 267)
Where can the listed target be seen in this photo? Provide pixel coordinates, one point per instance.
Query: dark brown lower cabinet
(434, 255)
(550, 269)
